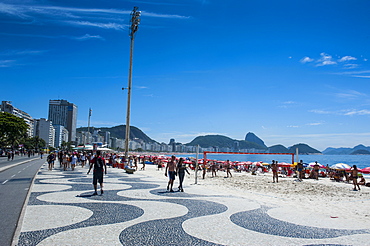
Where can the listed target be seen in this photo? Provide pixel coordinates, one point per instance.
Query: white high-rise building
(61, 135)
(45, 130)
(62, 112)
(6, 106)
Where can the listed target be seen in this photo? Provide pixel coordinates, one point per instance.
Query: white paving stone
(109, 234)
(41, 217)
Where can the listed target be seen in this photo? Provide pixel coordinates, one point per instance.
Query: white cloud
(6, 63)
(319, 111)
(344, 112)
(149, 14)
(350, 66)
(88, 36)
(362, 76)
(350, 94)
(114, 26)
(347, 58)
(314, 124)
(141, 87)
(358, 112)
(325, 60)
(292, 126)
(93, 17)
(306, 59)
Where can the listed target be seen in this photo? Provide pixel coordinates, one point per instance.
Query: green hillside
(222, 142)
(120, 132)
(303, 149)
(278, 149)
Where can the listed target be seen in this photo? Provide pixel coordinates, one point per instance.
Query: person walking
(299, 170)
(65, 158)
(354, 176)
(274, 167)
(228, 167)
(50, 159)
(100, 168)
(170, 168)
(73, 161)
(181, 169)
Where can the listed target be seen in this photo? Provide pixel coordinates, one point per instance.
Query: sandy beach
(334, 202)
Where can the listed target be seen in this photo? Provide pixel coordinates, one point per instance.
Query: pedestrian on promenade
(354, 176)
(100, 168)
(170, 168)
(274, 168)
(65, 158)
(181, 169)
(299, 170)
(9, 155)
(204, 167)
(50, 159)
(228, 167)
(213, 169)
(73, 161)
(143, 162)
(83, 159)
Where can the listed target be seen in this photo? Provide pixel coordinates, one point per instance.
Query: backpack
(99, 163)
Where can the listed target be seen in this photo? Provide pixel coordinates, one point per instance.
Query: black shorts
(171, 175)
(98, 177)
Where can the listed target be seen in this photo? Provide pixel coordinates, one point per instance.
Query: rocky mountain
(361, 152)
(251, 137)
(219, 141)
(120, 132)
(278, 149)
(303, 149)
(359, 149)
(223, 142)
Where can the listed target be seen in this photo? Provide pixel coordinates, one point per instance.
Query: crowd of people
(179, 166)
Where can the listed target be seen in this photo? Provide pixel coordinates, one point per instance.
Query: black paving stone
(258, 220)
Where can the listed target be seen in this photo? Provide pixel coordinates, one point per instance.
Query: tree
(12, 129)
(34, 143)
(66, 146)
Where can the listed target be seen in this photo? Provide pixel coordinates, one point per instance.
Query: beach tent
(340, 166)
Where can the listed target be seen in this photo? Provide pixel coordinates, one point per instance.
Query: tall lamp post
(135, 21)
(88, 127)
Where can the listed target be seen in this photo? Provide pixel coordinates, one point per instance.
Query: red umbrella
(284, 164)
(365, 170)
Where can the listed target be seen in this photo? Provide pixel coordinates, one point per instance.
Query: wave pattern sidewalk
(137, 210)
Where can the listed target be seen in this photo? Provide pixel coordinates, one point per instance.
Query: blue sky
(288, 71)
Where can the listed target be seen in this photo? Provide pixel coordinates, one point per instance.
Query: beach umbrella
(284, 164)
(365, 170)
(257, 163)
(312, 164)
(340, 166)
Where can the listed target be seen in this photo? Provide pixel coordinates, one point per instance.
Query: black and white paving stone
(137, 210)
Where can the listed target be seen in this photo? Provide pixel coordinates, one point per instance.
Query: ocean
(361, 161)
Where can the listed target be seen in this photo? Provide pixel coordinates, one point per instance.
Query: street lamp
(135, 21)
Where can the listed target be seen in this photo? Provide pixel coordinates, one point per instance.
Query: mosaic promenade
(136, 209)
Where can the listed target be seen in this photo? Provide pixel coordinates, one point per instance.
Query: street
(14, 185)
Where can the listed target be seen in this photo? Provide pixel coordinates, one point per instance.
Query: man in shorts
(171, 165)
(99, 168)
(274, 167)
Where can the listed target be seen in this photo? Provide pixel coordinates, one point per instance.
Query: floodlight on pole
(135, 21)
